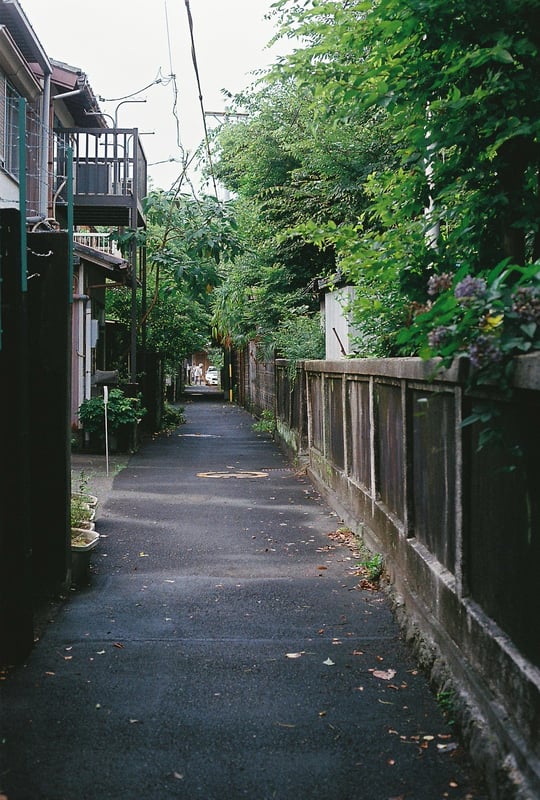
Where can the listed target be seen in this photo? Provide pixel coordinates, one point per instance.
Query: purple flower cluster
(470, 289)
(526, 303)
(484, 351)
(438, 336)
(439, 283)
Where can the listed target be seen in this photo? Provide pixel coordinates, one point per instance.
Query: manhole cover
(198, 436)
(242, 474)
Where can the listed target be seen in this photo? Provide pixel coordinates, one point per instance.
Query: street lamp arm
(121, 104)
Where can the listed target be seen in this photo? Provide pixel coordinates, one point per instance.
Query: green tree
(187, 239)
(290, 167)
(458, 88)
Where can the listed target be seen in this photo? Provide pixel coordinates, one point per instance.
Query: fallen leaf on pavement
(384, 675)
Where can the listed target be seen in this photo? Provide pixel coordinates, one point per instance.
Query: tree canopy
(290, 168)
(459, 86)
(401, 139)
(396, 147)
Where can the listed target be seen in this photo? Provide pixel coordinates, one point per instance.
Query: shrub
(172, 417)
(121, 410)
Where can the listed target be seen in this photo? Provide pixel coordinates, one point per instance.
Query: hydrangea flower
(483, 351)
(439, 283)
(438, 336)
(470, 289)
(526, 303)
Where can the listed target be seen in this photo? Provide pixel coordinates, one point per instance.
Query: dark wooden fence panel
(335, 427)
(390, 454)
(316, 406)
(359, 440)
(16, 601)
(433, 455)
(49, 305)
(503, 527)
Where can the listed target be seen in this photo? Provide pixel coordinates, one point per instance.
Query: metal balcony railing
(109, 172)
(98, 241)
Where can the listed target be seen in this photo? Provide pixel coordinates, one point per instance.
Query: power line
(160, 79)
(173, 78)
(197, 76)
(168, 37)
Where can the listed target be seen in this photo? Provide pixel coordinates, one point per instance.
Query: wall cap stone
(527, 374)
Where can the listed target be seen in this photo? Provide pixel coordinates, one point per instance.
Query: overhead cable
(160, 79)
(173, 77)
(197, 76)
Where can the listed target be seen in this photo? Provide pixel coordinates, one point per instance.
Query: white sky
(122, 45)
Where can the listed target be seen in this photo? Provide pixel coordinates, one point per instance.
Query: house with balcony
(99, 181)
(66, 180)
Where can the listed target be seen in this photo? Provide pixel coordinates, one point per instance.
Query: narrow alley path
(223, 649)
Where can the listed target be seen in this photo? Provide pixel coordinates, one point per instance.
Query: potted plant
(83, 493)
(84, 538)
(123, 415)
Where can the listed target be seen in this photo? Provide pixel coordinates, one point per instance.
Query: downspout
(84, 329)
(44, 187)
(133, 253)
(70, 216)
(22, 193)
(87, 350)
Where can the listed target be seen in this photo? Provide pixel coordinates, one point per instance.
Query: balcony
(98, 241)
(109, 176)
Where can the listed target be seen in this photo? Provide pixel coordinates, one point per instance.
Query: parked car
(212, 376)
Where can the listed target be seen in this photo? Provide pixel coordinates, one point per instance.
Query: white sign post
(105, 404)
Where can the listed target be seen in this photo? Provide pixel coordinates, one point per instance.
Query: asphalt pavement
(223, 648)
